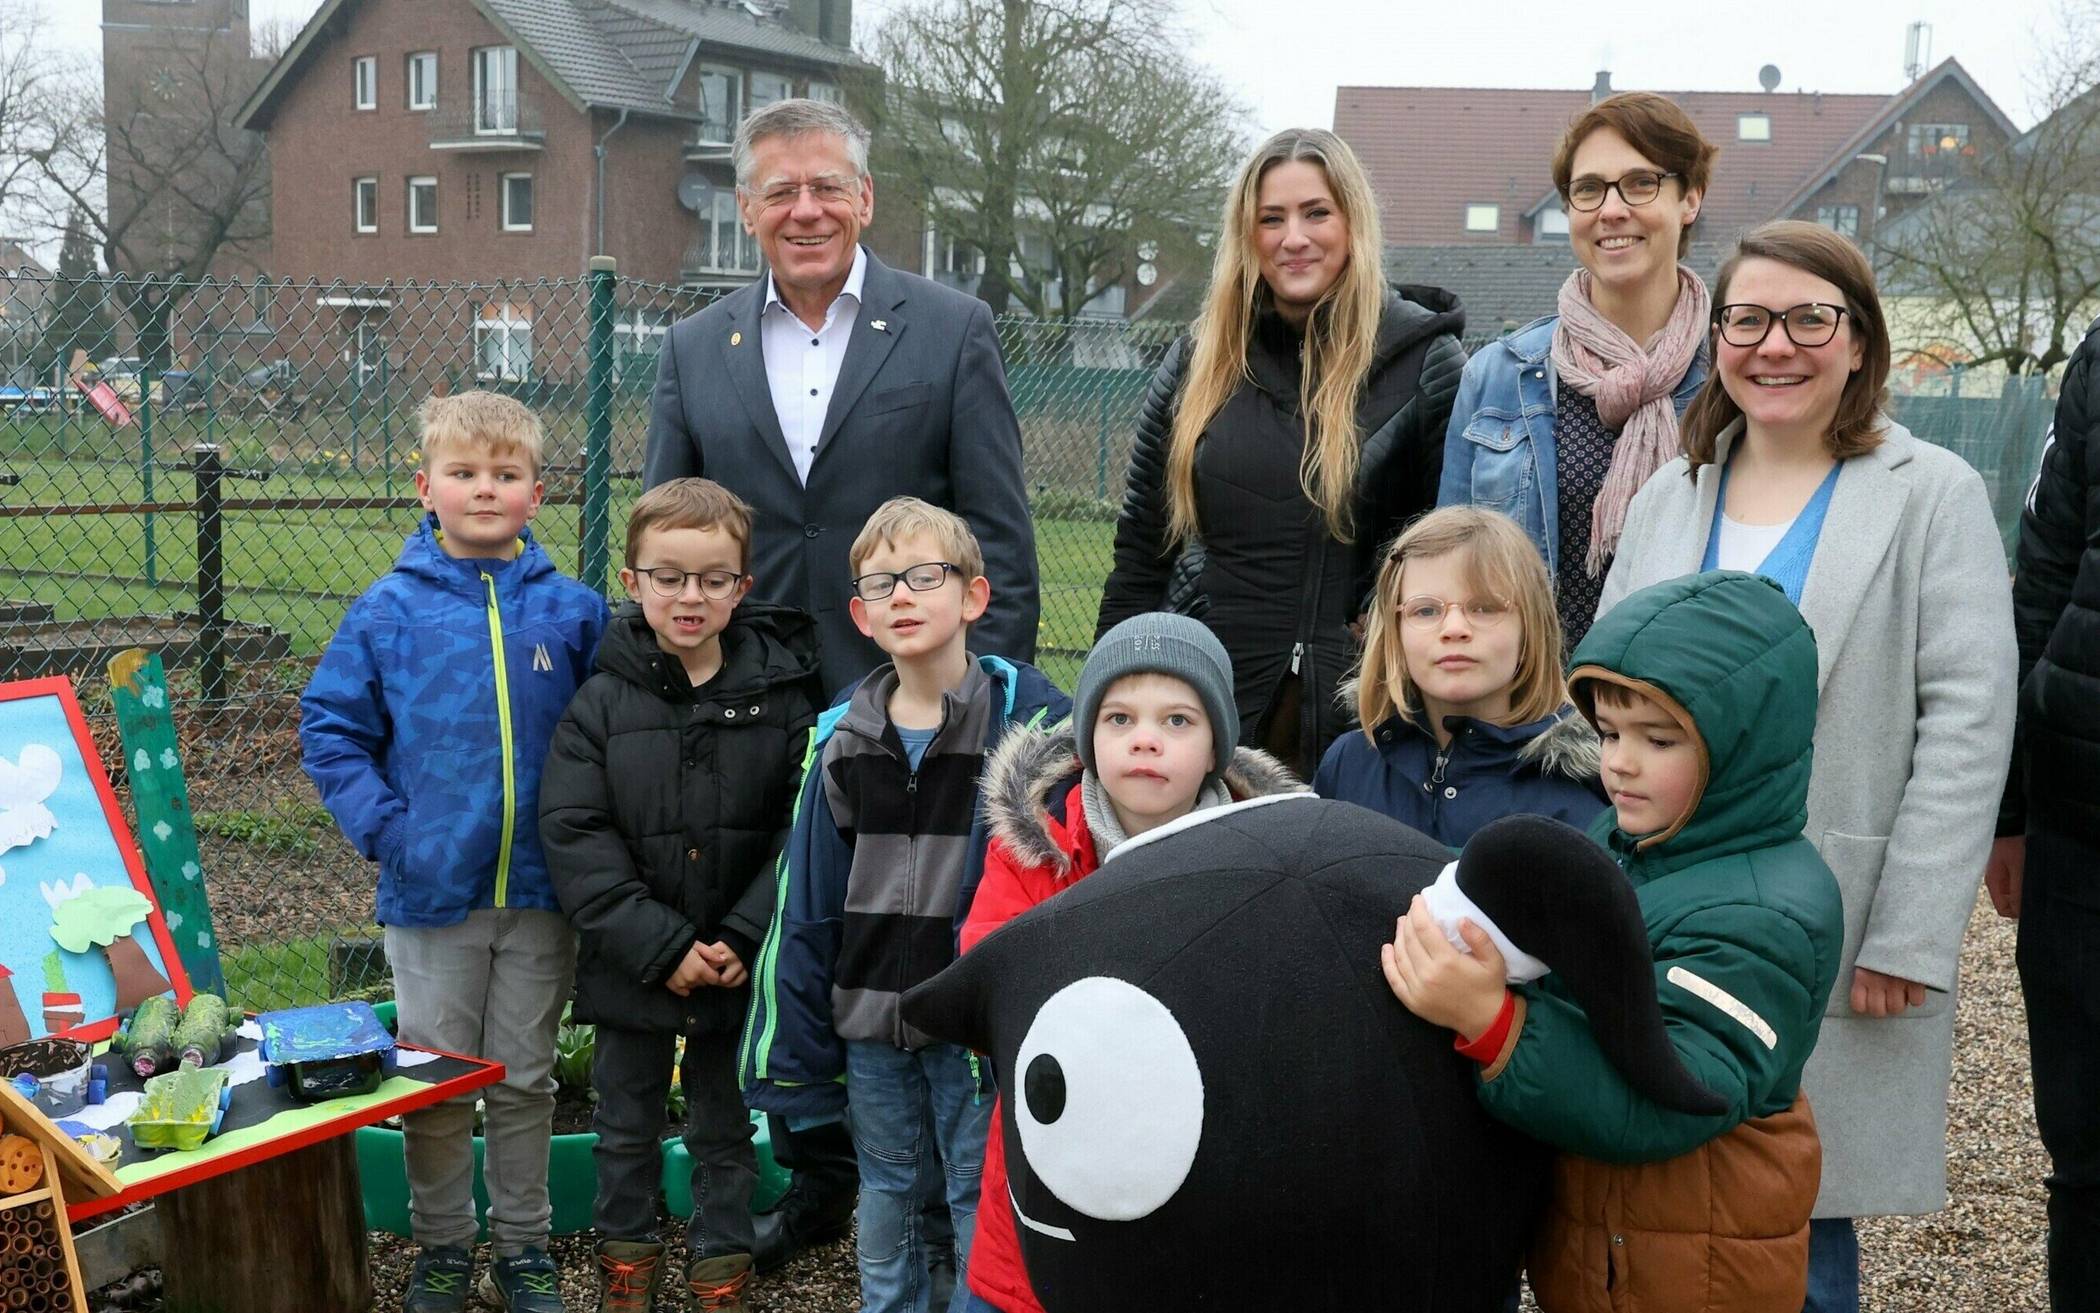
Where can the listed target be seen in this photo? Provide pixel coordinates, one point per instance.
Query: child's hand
(728, 966)
(1439, 984)
(693, 970)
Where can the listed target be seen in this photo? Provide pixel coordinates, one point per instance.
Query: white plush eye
(1109, 1100)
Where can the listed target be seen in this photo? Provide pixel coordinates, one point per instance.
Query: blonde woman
(1464, 711)
(1293, 431)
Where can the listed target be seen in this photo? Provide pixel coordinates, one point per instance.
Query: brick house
(508, 141)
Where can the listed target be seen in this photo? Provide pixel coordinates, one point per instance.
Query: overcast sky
(1285, 57)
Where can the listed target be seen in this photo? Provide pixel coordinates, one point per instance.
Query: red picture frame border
(61, 686)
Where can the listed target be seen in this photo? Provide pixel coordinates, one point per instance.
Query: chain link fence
(215, 471)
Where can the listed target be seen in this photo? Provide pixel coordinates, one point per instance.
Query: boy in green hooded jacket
(1703, 690)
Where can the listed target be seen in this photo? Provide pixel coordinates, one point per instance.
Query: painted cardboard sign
(81, 937)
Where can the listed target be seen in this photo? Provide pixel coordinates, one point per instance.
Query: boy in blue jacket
(424, 728)
(879, 873)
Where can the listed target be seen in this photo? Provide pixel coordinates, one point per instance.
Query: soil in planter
(572, 1111)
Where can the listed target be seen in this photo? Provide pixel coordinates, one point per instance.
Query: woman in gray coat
(1888, 546)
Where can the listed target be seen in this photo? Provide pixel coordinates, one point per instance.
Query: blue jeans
(1833, 1266)
(889, 1093)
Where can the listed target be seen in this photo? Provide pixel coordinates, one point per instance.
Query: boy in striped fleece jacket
(884, 860)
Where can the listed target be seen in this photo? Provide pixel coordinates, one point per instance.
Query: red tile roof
(1432, 151)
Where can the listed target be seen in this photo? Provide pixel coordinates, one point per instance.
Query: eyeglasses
(1635, 187)
(919, 578)
(1426, 612)
(1809, 324)
(824, 191)
(714, 584)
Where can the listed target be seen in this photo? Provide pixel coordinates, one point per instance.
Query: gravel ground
(1982, 1255)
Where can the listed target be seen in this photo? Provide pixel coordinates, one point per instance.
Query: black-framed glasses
(919, 578)
(1811, 323)
(1426, 612)
(1635, 187)
(714, 584)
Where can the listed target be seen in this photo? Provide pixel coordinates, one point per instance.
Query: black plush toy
(1214, 1101)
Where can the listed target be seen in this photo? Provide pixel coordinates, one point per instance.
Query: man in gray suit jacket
(835, 383)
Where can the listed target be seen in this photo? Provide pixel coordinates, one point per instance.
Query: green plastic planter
(571, 1179)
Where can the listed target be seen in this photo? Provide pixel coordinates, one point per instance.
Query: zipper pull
(1297, 655)
(1443, 758)
(911, 782)
(976, 1081)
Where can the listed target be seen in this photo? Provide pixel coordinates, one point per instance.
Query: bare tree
(167, 182)
(31, 77)
(2002, 266)
(1053, 138)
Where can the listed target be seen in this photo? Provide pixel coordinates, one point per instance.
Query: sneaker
(526, 1282)
(443, 1274)
(628, 1276)
(717, 1284)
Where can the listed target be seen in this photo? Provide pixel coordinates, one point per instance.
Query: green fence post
(146, 464)
(597, 436)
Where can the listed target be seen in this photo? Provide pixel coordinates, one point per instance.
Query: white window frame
(1481, 218)
(828, 92)
(422, 180)
(364, 82)
(1754, 126)
(422, 75)
(509, 332)
(724, 132)
(751, 88)
(502, 61)
(503, 215)
(364, 204)
(1551, 222)
(724, 231)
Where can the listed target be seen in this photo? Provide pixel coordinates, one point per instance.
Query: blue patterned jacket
(428, 718)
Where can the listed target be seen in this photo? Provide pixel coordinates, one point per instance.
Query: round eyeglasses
(1635, 187)
(1426, 612)
(919, 578)
(1809, 324)
(714, 584)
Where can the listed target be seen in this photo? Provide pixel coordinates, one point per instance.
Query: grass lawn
(297, 571)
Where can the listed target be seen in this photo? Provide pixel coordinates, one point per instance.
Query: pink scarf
(1632, 386)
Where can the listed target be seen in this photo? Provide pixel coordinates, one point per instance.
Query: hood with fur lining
(1032, 767)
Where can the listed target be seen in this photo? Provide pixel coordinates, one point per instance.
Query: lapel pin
(879, 325)
(736, 339)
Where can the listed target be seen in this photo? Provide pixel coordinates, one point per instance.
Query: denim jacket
(1499, 451)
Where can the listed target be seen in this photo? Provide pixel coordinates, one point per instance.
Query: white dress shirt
(802, 364)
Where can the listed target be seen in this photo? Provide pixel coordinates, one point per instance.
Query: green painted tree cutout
(104, 916)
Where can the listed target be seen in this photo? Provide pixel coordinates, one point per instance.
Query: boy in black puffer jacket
(666, 796)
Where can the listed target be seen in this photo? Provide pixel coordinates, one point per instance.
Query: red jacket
(1040, 846)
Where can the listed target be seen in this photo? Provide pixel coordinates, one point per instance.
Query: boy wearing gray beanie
(1152, 738)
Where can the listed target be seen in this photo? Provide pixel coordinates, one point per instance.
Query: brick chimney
(1602, 87)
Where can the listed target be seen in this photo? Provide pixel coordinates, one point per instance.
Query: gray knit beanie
(1160, 642)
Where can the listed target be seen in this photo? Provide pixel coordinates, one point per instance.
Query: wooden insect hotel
(39, 1169)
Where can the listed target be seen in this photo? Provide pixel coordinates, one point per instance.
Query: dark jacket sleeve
(595, 878)
(752, 916)
(1137, 581)
(985, 470)
(1442, 368)
(2052, 536)
(672, 452)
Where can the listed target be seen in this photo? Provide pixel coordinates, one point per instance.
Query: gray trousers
(490, 987)
(631, 1072)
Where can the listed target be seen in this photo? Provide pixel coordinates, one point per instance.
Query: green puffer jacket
(1743, 916)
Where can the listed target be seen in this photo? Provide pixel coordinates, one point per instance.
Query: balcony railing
(734, 258)
(490, 121)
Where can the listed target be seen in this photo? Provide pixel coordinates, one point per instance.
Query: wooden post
(288, 1232)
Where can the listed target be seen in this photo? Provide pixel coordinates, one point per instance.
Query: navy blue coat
(1545, 768)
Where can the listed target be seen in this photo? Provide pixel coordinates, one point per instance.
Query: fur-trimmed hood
(1568, 747)
(1029, 776)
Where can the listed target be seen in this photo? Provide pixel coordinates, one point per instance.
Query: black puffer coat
(2056, 612)
(663, 806)
(1281, 591)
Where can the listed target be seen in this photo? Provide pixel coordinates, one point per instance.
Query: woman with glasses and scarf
(1558, 424)
(1295, 429)
(1888, 546)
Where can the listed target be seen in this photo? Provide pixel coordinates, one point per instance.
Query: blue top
(428, 717)
(1786, 564)
(915, 742)
(1488, 771)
